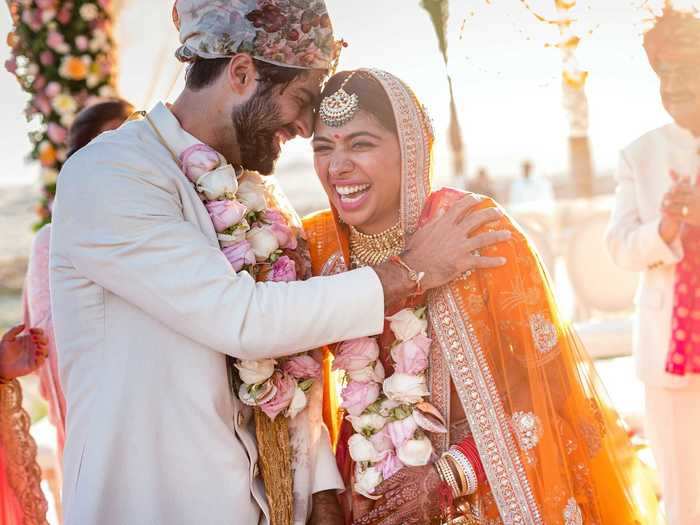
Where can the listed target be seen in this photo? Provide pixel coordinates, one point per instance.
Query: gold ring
(684, 211)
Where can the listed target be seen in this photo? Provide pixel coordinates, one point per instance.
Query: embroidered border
(439, 381)
(490, 426)
(334, 265)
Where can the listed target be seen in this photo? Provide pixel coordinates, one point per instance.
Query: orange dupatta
(553, 448)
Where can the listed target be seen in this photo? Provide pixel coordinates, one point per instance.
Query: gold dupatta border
(484, 410)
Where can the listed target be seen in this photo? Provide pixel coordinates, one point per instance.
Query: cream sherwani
(146, 309)
(672, 402)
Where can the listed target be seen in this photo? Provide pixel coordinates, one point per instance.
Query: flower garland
(257, 238)
(63, 56)
(389, 415)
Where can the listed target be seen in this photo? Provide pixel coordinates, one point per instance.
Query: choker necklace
(371, 250)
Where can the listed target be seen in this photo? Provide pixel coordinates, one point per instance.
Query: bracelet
(414, 276)
(472, 482)
(448, 476)
(468, 448)
(456, 467)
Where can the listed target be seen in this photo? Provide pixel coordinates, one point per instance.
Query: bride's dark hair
(373, 98)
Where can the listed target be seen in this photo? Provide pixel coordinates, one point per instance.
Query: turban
(675, 37)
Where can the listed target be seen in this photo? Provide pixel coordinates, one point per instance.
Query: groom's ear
(242, 77)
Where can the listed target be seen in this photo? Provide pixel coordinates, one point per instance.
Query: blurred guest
(90, 122)
(655, 229)
(531, 189)
(21, 499)
(481, 184)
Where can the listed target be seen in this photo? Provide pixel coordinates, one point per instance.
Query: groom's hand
(326, 509)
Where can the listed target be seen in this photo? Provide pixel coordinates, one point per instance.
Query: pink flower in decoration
(302, 367)
(225, 214)
(356, 354)
(47, 58)
(285, 392)
(198, 160)
(11, 65)
(381, 440)
(358, 396)
(42, 104)
(390, 465)
(81, 42)
(411, 357)
(105, 4)
(284, 269)
(278, 225)
(56, 133)
(402, 430)
(65, 14)
(45, 4)
(56, 42)
(53, 89)
(39, 82)
(239, 255)
(32, 18)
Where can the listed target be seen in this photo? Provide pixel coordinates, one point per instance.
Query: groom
(146, 307)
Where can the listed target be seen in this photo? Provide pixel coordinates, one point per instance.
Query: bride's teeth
(349, 190)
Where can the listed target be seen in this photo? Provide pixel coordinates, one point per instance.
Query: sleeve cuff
(660, 252)
(371, 302)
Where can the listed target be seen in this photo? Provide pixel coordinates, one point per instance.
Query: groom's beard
(255, 123)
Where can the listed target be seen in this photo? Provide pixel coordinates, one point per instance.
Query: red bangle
(468, 448)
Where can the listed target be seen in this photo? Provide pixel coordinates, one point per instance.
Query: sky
(505, 75)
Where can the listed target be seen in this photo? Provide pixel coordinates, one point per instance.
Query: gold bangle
(449, 476)
(462, 479)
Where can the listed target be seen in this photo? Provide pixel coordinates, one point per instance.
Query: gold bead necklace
(371, 250)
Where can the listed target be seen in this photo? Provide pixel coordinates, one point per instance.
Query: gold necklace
(371, 250)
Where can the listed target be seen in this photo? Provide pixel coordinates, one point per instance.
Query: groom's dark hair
(205, 71)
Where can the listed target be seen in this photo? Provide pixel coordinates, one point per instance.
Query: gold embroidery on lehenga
(334, 265)
(544, 333)
(572, 513)
(528, 430)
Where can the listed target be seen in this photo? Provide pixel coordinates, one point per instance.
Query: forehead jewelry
(340, 107)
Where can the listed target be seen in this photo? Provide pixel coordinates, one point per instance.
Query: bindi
(336, 136)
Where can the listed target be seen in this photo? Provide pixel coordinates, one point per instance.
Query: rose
(81, 42)
(381, 440)
(286, 387)
(225, 214)
(358, 396)
(53, 89)
(356, 354)
(255, 372)
(56, 42)
(386, 406)
(297, 404)
(11, 65)
(239, 255)
(406, 325)
(370, 373)
(361, 449)
(411, 357)
(366, 480)
(401, 431)
(56, 133)
(390, 465)
(405, 388)
(415, 452)
(89, 12)
(251, 192)
(302, 367)
(46, 58)
(198, 160)
(238, 235)
(367, 423)
(283, 270)
(263, 242)
(278, 224)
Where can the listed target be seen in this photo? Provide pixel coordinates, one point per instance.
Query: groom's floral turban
(292, 33)
(675, 38)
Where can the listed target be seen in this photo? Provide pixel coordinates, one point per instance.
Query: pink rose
(42, 104)
(46, 58)
(356, 354)
(11, 65)
(390, 465)
(64, 15)
(198, 160)
(358, 396)
(105, 4)
(56, 42)
(225, 214)
(53, 89)
(285, 236)
(45, 4)
(401, 431)
(285, 392)
(81, 42)
(411, 357)
(39, 82)
(274, 217)
(381, 440)
(283, 270)
(239, 255)
(302, 367)
(56, 133)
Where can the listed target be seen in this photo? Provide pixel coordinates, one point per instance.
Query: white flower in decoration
(367, 423)
(370, 373)
(405, 388)
(107, 91)
(415, 452)
(406, 325)
(251, 192)
(49, 176)
(218, 183)
(298, 403)
(255, 372)
(263, 241)
(362, 449)
(367, 480)
(64, 104)
(89, 12)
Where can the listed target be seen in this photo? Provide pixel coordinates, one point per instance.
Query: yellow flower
(74, 68)
(64, 104)
(47, 154)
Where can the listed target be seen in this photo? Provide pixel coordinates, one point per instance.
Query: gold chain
(371, 250)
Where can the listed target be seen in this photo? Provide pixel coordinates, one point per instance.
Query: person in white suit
(146, 307)
(654, 230)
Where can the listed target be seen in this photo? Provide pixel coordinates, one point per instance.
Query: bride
(477, 404)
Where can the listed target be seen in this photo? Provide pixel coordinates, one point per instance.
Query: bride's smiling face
(359, 165)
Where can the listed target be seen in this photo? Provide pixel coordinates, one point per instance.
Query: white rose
(367, 480)
(88, 12)
(362, 449)
(405, 325)
(263, 242)
(298, 403)
(367, 422)
(255, 372)
(369, 373)
(251, 192)
(215, 184)
(405, 388)
(415, 452)
(229, 240)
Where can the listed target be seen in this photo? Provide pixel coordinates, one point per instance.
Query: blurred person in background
(21, 500)
(481, 184)
(655, 230)
(531, 189)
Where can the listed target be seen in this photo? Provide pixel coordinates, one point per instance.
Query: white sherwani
(146, 308)
(672, 402)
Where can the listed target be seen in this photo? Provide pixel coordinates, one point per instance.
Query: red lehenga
(553, 449)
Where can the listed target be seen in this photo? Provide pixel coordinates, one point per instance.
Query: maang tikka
(340, 107)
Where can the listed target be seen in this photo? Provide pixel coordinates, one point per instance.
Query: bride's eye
(362, 145)
(321, 149)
